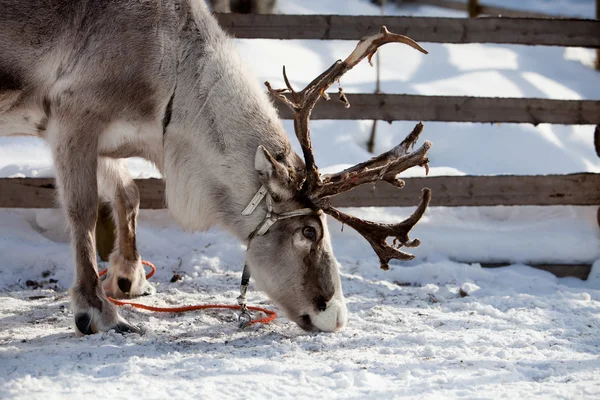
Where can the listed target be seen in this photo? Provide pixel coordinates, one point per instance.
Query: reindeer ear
(264, 162)
(273, 175)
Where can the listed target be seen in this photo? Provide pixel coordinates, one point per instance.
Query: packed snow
(439, 326)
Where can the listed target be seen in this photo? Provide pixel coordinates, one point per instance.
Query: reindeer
(103, 80)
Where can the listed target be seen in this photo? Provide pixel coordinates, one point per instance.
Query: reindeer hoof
(94, 313)
(83, 323)
(126, 279)
(124, 327)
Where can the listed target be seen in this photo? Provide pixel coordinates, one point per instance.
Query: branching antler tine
(394, 37)
(376, 234)
(324, 80)
(384, 158)
(412, 137)
(403, 228)
(384, 167)
(305, 100)
(371, 232)
(368, 46)
(289, 85)
(287, 81)
(279, 94)
(302, 129)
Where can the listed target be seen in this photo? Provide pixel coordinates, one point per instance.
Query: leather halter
(270, 217)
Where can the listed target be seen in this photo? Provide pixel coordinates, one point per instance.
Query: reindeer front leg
(126, 277)
(74, 143)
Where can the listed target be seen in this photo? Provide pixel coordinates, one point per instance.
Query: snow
(437, 327)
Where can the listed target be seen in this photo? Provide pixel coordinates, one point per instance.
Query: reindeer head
(290, 252)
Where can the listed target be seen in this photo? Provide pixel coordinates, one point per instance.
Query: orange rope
(271, 315)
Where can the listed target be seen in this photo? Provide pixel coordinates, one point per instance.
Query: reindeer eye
(310, 233)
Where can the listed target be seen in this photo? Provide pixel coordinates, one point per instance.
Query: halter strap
(270, 217)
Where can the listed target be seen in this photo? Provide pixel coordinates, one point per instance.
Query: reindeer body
(184, 102)
(103, 80)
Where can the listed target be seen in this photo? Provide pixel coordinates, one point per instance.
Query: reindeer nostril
(321, 303)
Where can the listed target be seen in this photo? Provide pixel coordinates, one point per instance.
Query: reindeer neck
(220, 117)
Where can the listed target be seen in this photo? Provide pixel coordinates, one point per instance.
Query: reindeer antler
(383, 167)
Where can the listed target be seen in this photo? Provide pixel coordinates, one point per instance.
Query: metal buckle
(245, 317)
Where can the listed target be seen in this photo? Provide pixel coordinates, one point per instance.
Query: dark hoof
(83, 322)
(124, 284)
(126, 328)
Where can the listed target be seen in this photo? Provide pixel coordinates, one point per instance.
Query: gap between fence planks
(401, 107)
(448, 191)
(528, 31)
(481, 8)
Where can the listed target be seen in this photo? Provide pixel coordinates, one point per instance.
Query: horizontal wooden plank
(469, 191)
(581, 271)
(597, 140)
(483, 8)
(527, 31)
(401, 107)
(448, 191)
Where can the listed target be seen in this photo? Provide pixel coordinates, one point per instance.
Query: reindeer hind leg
(126, 277)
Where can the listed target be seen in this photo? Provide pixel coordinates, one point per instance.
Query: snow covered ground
(431, 328)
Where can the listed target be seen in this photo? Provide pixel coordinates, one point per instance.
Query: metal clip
(245, 317)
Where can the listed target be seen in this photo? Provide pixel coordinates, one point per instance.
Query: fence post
(105, 231)
(474, 8)
(371, 142)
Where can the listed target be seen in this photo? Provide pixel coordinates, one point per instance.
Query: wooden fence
(576, 189)
(528, 31)
(449, 191)
(474, 8)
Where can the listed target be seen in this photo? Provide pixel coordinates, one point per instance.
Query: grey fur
(98, 79)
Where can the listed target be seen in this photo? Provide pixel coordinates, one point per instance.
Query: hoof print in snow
(432, 299)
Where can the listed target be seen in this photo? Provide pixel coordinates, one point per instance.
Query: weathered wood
(481, 9)
(527, 31)
(400, 107)
(461, 191)
(581, 271)
(448, 191)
